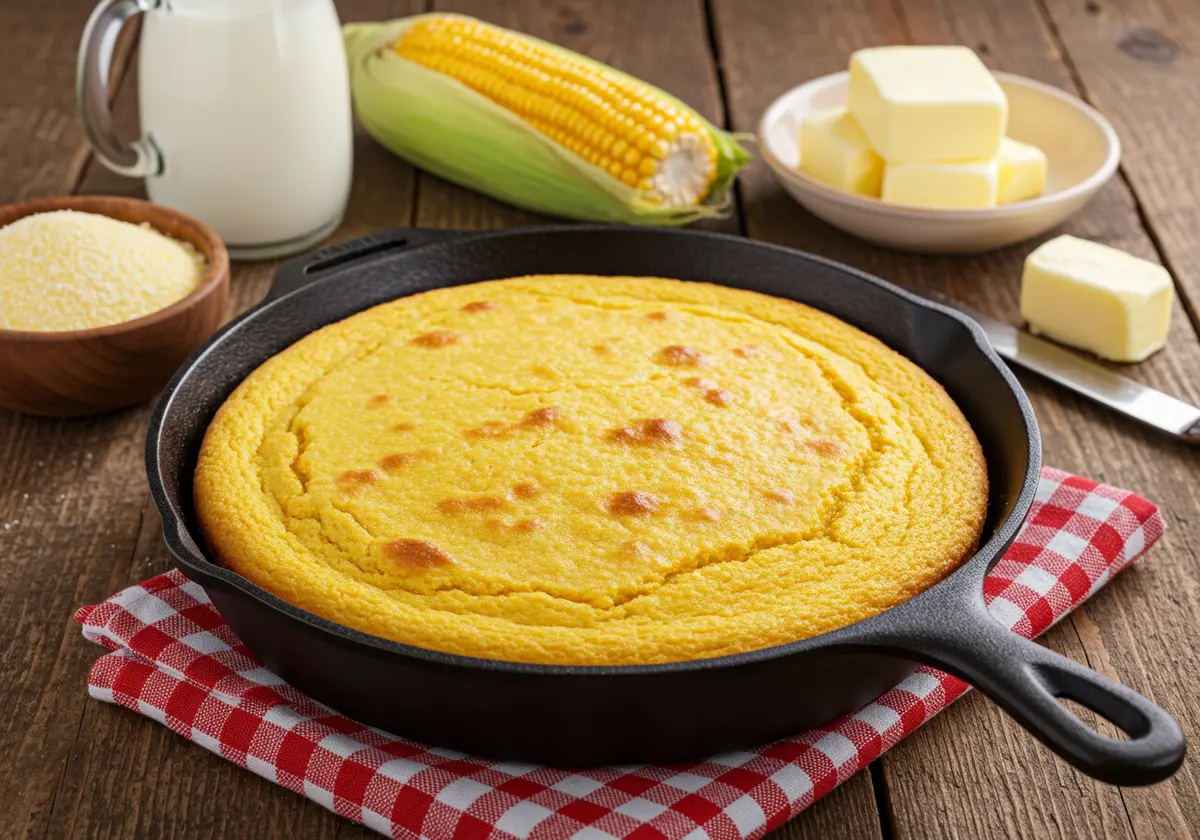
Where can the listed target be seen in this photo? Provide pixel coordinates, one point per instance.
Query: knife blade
(1088, 378)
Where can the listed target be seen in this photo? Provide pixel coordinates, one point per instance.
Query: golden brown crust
(515, 494)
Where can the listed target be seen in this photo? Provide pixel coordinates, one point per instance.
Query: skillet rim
(964, 582)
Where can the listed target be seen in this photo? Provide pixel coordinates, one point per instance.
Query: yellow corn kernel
(606, 118)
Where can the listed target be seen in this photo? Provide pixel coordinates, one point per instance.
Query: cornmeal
(587, 470)
(67, 270)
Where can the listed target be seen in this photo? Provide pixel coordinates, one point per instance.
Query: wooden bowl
(77, 372)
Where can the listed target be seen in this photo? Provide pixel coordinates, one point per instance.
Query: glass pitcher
(245, 110)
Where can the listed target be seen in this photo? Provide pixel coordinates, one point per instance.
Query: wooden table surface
(78, 525)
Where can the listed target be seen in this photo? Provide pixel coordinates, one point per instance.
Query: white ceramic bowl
(1082, 153)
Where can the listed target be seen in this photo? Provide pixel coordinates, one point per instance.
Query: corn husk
(450, 130)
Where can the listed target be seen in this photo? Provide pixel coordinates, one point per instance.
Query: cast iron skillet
(577, 716)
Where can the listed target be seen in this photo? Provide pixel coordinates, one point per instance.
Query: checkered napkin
(175, 660)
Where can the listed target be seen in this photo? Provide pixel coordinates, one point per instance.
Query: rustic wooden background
(77, 523)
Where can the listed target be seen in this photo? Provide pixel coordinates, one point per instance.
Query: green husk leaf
(448, 129)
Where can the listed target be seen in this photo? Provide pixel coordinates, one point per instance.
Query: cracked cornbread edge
(234, 527)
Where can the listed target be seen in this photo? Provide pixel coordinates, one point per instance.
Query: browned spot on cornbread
(544, 371)
(489, 429)
(826, 447)
(480, 306)
(677, 355)
(416, 555)
(660, 316)
(647, 432)
(403, 426)
(703, 513)
(437, 338)
(497, 429)
(699, 382)
(473, 504)
(399, 460)
(355, 481)
(781, 496)
(795, 426)
(718, 397)
(604, 348)
(504, 523)
(747, 352)
(633, 503)
(525, 490)
(378, 400)
(547, 416)
(636, 549)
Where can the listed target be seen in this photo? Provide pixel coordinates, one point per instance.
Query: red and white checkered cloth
(175, 660)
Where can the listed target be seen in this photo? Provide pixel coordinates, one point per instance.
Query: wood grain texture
(41, 140)
(974, 773)
(61, 490)
(1138, 61)
(80, 526)
(83, 529)
(847, 813)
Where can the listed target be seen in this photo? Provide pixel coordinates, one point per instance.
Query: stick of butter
(927, 103)
(1022, 171)
(948, 185)
(834, 149)
(1097, 298)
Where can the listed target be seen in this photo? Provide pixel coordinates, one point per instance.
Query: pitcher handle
(138, 159)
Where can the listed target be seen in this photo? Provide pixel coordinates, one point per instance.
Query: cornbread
(68, 270)
(587, 470)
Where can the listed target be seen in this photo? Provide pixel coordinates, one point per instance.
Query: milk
(249, 103)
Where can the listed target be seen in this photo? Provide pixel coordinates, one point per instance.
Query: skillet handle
(1027, 680)
(309, 268)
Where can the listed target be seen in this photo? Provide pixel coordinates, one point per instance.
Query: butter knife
(1092, 380)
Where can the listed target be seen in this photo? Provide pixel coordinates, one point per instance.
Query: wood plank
(42, 149)
(1138, 61)
(629, 35)
(95, 769)
(846, 813)
(767, 51)
(62, 516)
(220, 800)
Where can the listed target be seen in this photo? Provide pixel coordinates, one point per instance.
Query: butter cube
(1022, 171)
(927, 103)
(950, 185)
(1097, 298)
(834, 149)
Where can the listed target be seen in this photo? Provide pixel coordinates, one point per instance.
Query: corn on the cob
(610, 120)
(535, 124)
